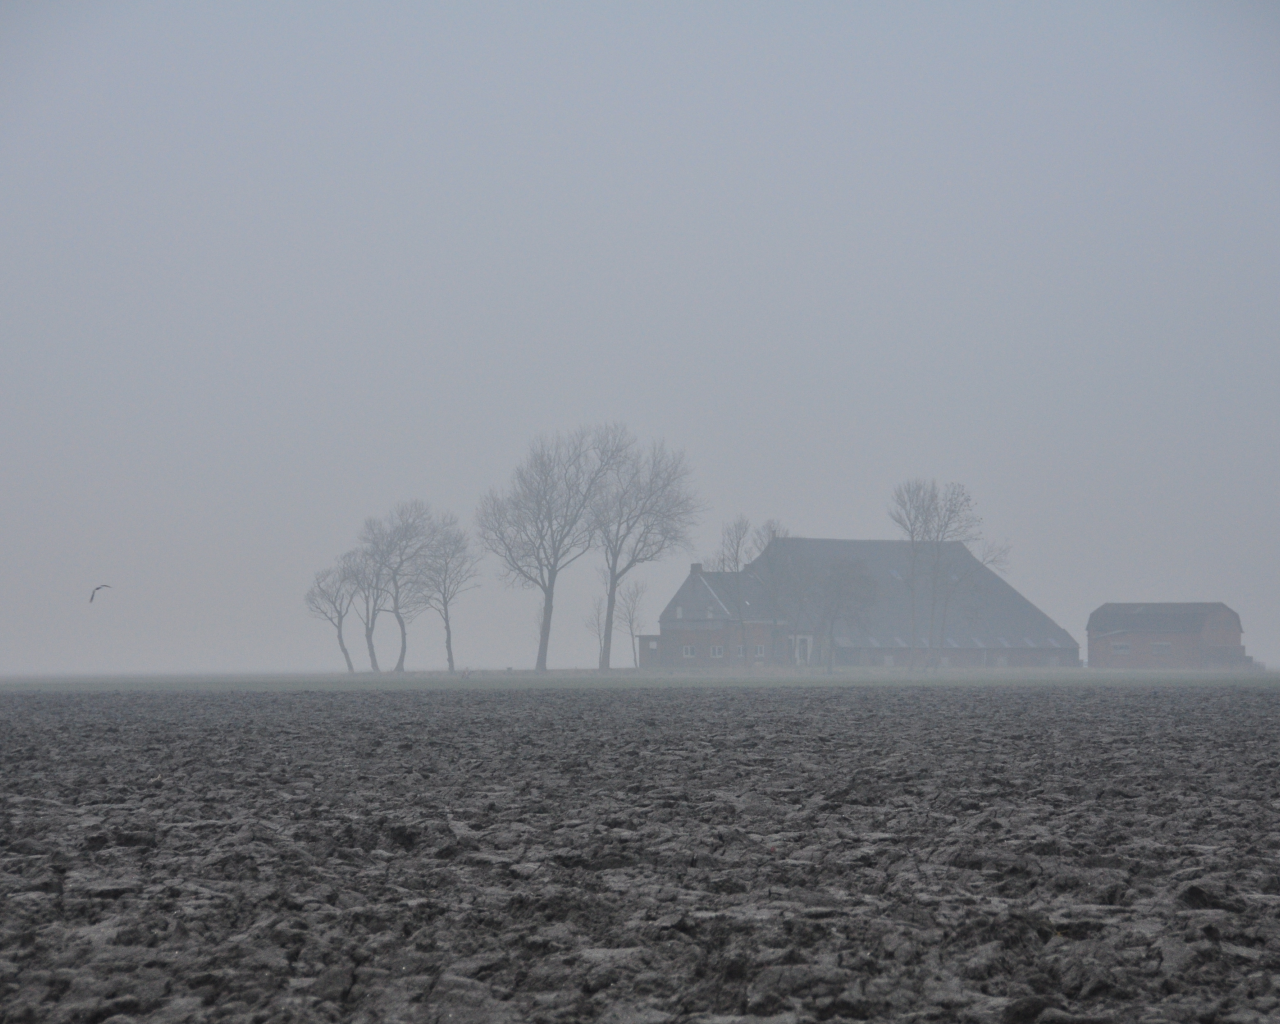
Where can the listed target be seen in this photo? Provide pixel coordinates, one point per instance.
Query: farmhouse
(806, 601)
(1202, 635)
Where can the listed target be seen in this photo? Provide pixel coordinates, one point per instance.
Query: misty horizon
(270, 273)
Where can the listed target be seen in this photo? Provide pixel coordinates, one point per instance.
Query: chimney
(695, 568)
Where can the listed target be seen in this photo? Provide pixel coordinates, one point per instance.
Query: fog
(269, 271)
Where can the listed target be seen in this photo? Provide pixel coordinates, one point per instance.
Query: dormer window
(679, 612)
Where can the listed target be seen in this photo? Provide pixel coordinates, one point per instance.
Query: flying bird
(101, 586)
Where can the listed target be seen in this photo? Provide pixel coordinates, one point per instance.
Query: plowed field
(1047, 852)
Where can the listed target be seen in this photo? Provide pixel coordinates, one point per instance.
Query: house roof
(724, 596)
(974, 606)
(1156, 617)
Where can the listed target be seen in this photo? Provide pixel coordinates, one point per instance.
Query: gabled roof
(726, 596)
(975, 607)
(1159, 617)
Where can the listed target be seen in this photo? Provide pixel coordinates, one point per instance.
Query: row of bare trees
(411, 561)
(592, 489)
(599, 489)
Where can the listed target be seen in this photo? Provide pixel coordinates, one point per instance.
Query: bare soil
(1009, 854)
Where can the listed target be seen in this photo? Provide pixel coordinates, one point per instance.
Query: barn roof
(721, 595)
(1158, 617)
(975, 606)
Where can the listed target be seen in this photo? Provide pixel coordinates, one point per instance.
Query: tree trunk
(448, 634)
(368, 642)
(345, 653)
(544, 635)
(404, 638)
(606, 641)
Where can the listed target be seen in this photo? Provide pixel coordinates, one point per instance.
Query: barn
(810, 601)
(1192, 636)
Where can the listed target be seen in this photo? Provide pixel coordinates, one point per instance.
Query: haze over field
(267, 272)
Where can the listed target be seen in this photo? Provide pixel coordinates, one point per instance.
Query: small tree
(401, 546)
(630, 597)
(330, 598)
(542, 523)
(594, 621)
(644, 509)
(735, 542)
(450, 571)
(369, 582)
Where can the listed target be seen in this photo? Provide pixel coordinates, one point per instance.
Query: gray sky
(267, 270)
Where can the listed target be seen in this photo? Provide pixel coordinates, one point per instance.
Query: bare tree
(735, 541)
(330, 598)
(401, 545)
(630, 596)
(644, 509)
(369, 582)
(741, 543)
(451, 570)
(994, 555)
(595, 623)
(542, 523)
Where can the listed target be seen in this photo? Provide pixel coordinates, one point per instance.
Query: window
(717, 651)
(888, 661)
(653, 645)
(759, 650)
(1162, 647)
(679, 612)
(1119, 648)
(1002, 661)
(688, 650)
(737, 651)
